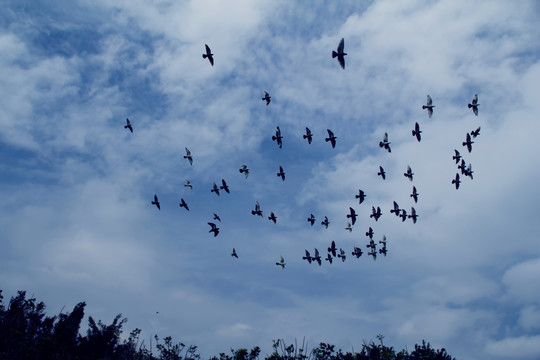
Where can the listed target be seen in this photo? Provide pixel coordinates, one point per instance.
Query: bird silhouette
(215, 189)
(188, 156)
(352, 215)
(156, 202)
(369, 233)
(307, 257)
(416, 132)
(475, 133)
(331, 138)
(325, 222)
(308, 135)
(311, 219)
(376, 214)
(328, 258)
(317, 257)
(381, 172)
(332, 249)
(224, 186)
(234, 253)
(188, 184)
(457, 156)
(257, 210)
(403, 215)
(267, 98)
(474, 105)
(361, 196)
(469, 171)
(409, 174)
(281, 262)
(413, 215)
(128, 126)
(342, 255)
(414, 194)
(245, 170)
(429, 106)
(348, 227)
(340, 54)
(216, 217)
(278, 138)
(214, 229)
(456, 181)
(272, 217)
(281, 173)
(385, 143)
(463, 167)
(468, 142)
(209, 55)
(357, 252)
(183, 204)
(396, 209)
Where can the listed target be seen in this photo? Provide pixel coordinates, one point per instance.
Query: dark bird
(213, 229)
(188, 156)
(383, 241)
(457, 156)
(311, 219)
(348, 227)
(429, 106)
(328, 258)
(183, 204)
(463, 167)
(257, 210)
(375, 213)
(224, 186)
(371, 244)
(317, 257)
(281, 173)
(474, 105)
(308, 135)
(245, 170)
(340, 54)
(156, 202)
(409, 174)
(281, 262)
(416, 132)
(381, 172)
(469, 171)
(215, 189)
(414, 194)
(216, 217)
(278, 138)
(396, 210)
(342, 255)
(361, 196)
(266, 98)
(234, 253)
(383, 250)
(352, 215)
(325, 222)
(413, 215)
(332, 249)
(188, 184)
(403, 215)
(357, 252)
(331, 138)
(475, 133)
(128, 126)
(468, 142)
(385, 143)
(373, 253)
(456, 181)
(307, 257)
(369, 233)
(209, 55)
(272, 217)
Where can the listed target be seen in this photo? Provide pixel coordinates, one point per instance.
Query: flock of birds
(376, 212)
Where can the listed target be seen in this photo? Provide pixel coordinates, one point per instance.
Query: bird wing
(429, 101)
(330, 133)
(208, 51)
(341, 45)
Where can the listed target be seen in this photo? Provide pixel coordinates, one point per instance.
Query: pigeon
(457, 156)
(272, 217)
(342, 255)
(416, 132)
(475, 133)
(371, 244)
(325, 222)
(383, 250)
(128, 126)
(224, 186)
(328, 258)
(183, 204)
(357, 252)
(370, 233)
(381, 172)
(456, 181)
(278, 138)
(383, 241)
(213, 229)
(375, 213)
(234, 253)
(215, 189)
(468, 142)
(156, 202)
(307, 257)
(244, 169)
(216, 217)
(429, 106)
(469, 172)
(352, 215)
(409, 174)
(209, 55)
(348, 226)
(474, 105)
(308, 135)
(281, 173)
(403, 215)
(340, 54)
(317, 257)
(188, 156)
(361, 196)
(385, 143)
(266, 98)
(188, 184)
(463, 167)
(331, 138)
(311, 219)
(414, 194)
(281, 262)
(396, 209)
(413, 215)
(257, 210)
(332, 249)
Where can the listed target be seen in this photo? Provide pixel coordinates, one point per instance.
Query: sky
(76, 218)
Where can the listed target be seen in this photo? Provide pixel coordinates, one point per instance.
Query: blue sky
(76, 219)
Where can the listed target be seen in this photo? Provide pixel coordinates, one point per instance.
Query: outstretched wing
(429, 101)
(341, 46)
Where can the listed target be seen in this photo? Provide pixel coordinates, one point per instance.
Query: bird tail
(204, 56)
(469, 105)
(273, 138)
(424, 106)
(334, 54)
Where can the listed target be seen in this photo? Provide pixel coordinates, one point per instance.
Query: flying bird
(317, 257)
(373, 253)
(381, 172)
(188, 184)
(348, 226)
(385, 143)
(257, 210)
(361, 196)
(413, 215)
(156, 202)
(281, 173)
(468, 142)
(463, 167)
(376, 214)
(475, 133)
(456, 181)
(308, 135)
(325, 222)
(209, 55)
(409, 174)
(352, 215)
(396, 209)
(281, 262)
(416, 132)
(216, 217)
(215, 189)
(474, 105)
(307, 257)
(213, 229)
(429, 106)
(331, 138)
(266, 98)
(383, 250)
(342, 255)
(403, 215)
(328, 258)
(188, 156)
(244, 169)
(332, 249)
(278, 138)
(457, 156)
(340, 54)
(469, 172)
(224, 186)
(234, 253)
(183, 204)
(371, 244)
(357, 252)
(369, 233)
(128, 126)
(272, 217)
(383, 241)
(414, 194)
(311, 219)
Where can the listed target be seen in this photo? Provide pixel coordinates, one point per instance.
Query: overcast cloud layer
(76, 219)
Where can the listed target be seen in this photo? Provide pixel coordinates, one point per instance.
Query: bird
(128, 126)
(348, 226)
(468, 142)
(340, 54)
(429, 106)
(474, 105)
(216, 217)
(409, 174)
(383, 241)
(463, 167)
(215, 189)
(457, 156)
(414, 194)
(331, 138)
(183, 204)
(311, 219)
(328, 258)
(281, 173)
(188, 156)
(257, 210)
(272, 217)
(188, 184)
(475, 133)
(352, 215)
(369, 233)
(224, 186)
(266, 98)
(385, 143)
(156, 202)
(234, 253)
(281, 262)
(213, 229)
(469, 172)
(376, 214)
(332, 249)
(456, 181)
(278, 138)
(361, 196)
(403, 215)
(208, 55)
(383, 250)
(371, 244)
(396, 209)
(317, 257)
(357, 252)
(413, 215)
(381, 172)
(308, 135)
(416, 132)
(373, 253)
(325, 222)
(342, 255)
(307, 257)
(244, 169)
